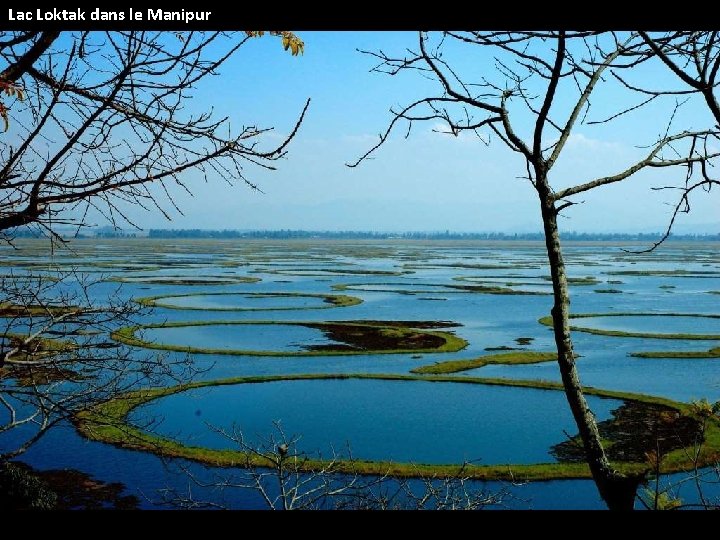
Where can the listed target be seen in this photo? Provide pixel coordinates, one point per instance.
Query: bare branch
(649, 162)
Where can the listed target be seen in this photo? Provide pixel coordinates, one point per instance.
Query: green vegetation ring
(108, 422)
(490, 288)
(689, 355)
(10, 310)
(329, 272)
(88, 267)
(508, 358)
(547, 321)
(352, 337)
(185, 280)
(330, 301)
(666, 273)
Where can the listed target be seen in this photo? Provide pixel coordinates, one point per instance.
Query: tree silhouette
(105, 119)
(98, 120)
(531, 91)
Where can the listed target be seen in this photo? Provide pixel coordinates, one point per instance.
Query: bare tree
(55, 358)
(694, 59)
(284, 483)
(105, 120)
(100, 121)
(544, 80)
(668, 495)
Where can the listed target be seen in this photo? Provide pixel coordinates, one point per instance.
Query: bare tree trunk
(524, 57)
(617, 490)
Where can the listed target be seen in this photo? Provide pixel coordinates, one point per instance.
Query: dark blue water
(514, 424)
(409, 421)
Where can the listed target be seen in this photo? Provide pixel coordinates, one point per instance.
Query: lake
(493, 292)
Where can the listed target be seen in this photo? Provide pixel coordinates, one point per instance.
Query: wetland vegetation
(199, 353)
(345, 338)
(108, 423)
(467, 332)
(415, 348)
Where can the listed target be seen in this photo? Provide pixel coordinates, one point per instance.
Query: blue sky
(428, 182)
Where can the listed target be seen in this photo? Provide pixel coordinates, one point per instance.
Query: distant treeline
(362, 235)
(447, 235)
(27, 232)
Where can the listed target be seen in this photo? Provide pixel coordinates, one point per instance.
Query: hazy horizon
(430, 181)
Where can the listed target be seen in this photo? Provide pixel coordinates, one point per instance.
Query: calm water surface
(413, 421)
(409, 421)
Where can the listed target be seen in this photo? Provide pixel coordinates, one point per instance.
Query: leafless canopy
(533, 91)
(551, 77)
(56, 358)
(95, 121)
(286, 484)
(694, 60)
(554, 78)
(107, 118)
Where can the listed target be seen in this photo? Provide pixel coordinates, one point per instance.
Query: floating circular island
(694, 326)
(110, 422)
(410, 288)
(268, 301)
(329, 272)
(188, 280)
(303, 338)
